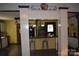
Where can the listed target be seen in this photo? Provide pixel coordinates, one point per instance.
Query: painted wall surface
(11, 30)
(36, 14)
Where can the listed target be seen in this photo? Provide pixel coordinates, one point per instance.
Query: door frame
(60, 14)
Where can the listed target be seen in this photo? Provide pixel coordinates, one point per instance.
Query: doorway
(43, 35)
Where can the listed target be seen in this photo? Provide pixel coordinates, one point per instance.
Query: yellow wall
(11, 30)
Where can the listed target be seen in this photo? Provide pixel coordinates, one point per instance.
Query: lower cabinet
(46, 43)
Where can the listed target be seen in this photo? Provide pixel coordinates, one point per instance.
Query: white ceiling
(8, 15)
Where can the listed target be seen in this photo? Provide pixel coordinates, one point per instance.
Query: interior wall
(11, 30)
(36, 14)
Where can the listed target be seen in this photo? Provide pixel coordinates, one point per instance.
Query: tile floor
(12, 50)
(15, 50)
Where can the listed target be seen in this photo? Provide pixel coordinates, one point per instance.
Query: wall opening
(43, 37)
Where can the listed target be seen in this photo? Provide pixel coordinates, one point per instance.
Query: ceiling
(8, 15)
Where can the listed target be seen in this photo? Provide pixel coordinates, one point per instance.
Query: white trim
(24, 31)
(60, 15)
